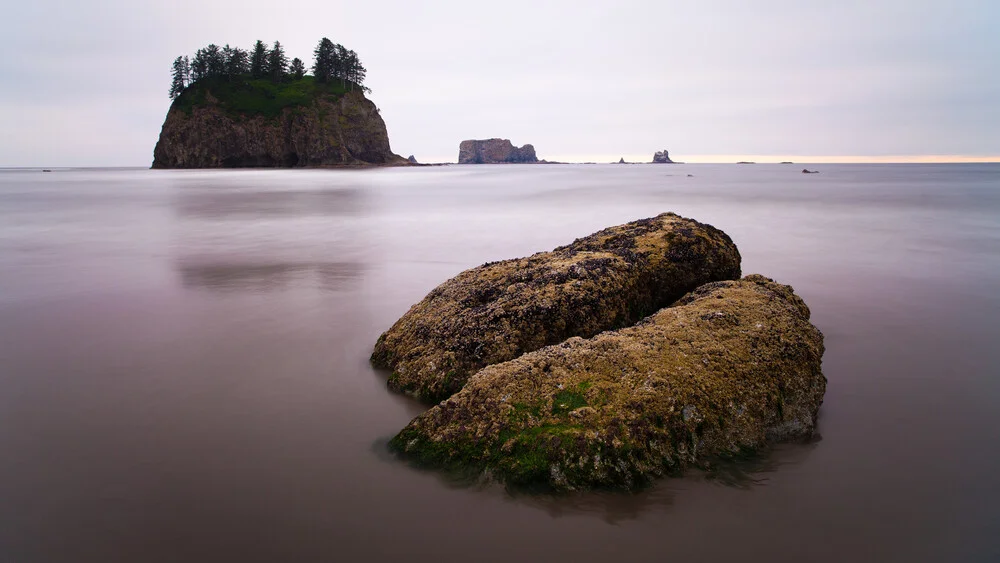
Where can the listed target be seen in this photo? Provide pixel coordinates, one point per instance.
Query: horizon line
(779, 158)
(678, 159)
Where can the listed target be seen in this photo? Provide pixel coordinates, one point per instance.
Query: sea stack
(216, 123)
(494, 151)
(662, 157)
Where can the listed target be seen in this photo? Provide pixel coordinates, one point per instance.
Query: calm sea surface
(184, 364)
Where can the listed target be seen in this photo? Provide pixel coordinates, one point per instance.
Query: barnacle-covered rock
(501, 310)
(728, 368)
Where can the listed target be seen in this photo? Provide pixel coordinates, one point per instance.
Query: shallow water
(184, 374)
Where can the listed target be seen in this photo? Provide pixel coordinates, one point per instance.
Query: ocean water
(184, 364)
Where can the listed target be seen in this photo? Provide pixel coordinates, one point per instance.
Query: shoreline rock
(501, 310)
(729, 368)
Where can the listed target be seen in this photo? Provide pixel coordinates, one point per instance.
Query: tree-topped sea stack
(236, 108)
(727, 369)
(501, 310)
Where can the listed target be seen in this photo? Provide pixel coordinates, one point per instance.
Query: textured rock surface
(500, 310)
(494, 151)
(728, 368)
(662, 157)
(332, 131)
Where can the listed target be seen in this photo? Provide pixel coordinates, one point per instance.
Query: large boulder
(501, 310)
(494, 151)
(727, 369)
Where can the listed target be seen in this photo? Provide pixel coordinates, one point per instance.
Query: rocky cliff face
(494, 151)
(326, 130)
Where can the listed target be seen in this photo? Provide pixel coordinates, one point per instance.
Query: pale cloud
(84, 83)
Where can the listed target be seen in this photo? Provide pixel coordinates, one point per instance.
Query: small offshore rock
(627, 406)
(494, 151)
(500, 310)
(662, 157)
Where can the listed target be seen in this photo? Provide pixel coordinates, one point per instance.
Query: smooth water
(184, 364)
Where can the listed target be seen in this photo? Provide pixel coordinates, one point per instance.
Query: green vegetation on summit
(332, 63)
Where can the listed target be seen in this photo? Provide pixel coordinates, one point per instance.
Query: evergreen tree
(354, 70)
(325, 53)
(297, 69)
(199, 65)
(258, 60)
(179, 77)
(340, 63)
(216, 60)
(277, 63)
(237, 61)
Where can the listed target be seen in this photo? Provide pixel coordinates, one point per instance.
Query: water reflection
(614, 507)
(262, 277)
(218, 203)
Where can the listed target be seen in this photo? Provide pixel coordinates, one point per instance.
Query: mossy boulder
(725, 370)
(501, 310)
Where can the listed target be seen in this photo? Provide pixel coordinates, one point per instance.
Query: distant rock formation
(494, 151)
(807, 171)
(622, 161)
(662, 157)
(412, 159)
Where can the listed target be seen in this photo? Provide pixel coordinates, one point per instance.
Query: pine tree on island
(258, 60)
(334, 65)
(277, 63)
(297, 69)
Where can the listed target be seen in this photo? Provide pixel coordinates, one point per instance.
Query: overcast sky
(84, 83)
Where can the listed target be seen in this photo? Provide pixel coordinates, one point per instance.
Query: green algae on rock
(501, 310)
(730, 367)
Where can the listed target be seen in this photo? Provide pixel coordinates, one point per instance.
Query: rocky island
(718, 373)
(662, 157)
(234, 109)
(494, 151)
